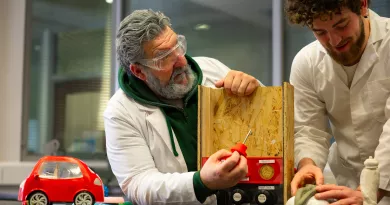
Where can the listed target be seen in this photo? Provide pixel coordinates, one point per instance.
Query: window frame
(117, 14)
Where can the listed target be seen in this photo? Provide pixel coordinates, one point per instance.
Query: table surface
(9, 196)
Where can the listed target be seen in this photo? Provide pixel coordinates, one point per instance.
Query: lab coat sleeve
(135, 170)
(311, 132)
(382, 152)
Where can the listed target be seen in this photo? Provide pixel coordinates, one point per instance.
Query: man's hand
(344, 195)
(308, 173)
(221, 175)
(238, 83)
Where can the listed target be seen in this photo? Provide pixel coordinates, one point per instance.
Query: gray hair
(137, 28)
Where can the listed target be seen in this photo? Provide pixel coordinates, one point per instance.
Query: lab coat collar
(370, 56)
(378, 28)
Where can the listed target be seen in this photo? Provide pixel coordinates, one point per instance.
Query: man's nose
(180, 61)
(334, 39)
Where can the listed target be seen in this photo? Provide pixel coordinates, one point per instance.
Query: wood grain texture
(288, 139)
(225, 120)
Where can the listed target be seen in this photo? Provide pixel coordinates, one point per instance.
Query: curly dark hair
(304, 11)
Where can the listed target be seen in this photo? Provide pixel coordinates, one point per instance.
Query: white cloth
(350, 71)
(358, 117)
(140, 152)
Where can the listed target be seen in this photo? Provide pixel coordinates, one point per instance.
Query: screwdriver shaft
(247, 135)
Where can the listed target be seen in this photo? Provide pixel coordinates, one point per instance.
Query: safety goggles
(169, 57)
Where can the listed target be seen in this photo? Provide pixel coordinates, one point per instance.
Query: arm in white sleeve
(311, 132)
(133, 165)
(382, 152)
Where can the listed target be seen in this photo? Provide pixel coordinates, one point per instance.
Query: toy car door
(70, 174)
(47, 180)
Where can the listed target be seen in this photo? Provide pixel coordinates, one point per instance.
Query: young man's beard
(172, 90)
(349, 57)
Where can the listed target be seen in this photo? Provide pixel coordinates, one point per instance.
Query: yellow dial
(266, 172)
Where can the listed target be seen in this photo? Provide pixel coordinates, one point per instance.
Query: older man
(151, 122)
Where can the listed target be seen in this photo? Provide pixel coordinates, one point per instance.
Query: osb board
(288, 140)
(225, 120)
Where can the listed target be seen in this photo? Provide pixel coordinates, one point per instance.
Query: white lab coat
(358, 116)
(140, 152)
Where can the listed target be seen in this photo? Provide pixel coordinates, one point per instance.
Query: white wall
(12, 24)
(12, 21)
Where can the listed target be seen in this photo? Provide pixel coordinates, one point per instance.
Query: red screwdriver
(240, 147)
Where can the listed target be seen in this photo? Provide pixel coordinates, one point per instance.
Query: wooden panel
(288, 144)
(203, 116)
(225, 120)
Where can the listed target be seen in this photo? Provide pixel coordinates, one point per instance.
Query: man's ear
(137, 71)
(364, 8)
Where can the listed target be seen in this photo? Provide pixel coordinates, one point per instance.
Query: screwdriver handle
(240, 148)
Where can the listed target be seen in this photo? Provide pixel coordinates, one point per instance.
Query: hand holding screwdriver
(216, 175)
(241, 147)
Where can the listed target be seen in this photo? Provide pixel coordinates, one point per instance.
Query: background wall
(12, 22)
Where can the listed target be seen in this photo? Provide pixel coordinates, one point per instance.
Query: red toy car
(61, 179)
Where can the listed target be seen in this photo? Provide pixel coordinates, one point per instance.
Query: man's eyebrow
(334, 25)
(339, 22)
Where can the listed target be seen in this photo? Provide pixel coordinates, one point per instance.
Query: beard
(172, 90)
(349, 57)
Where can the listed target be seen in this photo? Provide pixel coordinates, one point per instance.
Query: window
(69, 77)
(68, 170)
(237, 33)
(296, 37)
(60, 170)
(48, 170)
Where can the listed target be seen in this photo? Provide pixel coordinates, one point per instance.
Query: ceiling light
(109, 1)
(202, 27)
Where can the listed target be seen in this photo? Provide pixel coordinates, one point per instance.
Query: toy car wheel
(84, 198)
(38, 198)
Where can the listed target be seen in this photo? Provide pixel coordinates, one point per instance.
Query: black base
(253, 194)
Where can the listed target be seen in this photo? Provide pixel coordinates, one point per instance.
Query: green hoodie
(183, 121)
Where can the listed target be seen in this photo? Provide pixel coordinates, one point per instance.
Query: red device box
(262, 170)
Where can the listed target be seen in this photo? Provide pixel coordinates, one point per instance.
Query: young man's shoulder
(312, 49)
(311, 54)
(385, 23)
